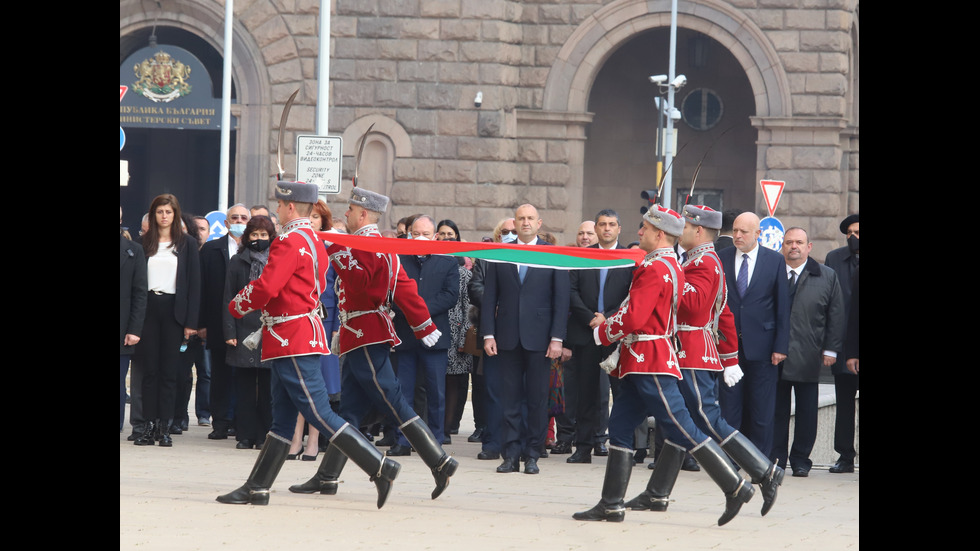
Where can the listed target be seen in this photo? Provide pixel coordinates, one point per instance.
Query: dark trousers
(805, 432)
(592, 400)
(456, 387)
(429, 366)
(367, 382)
(846, 386)
(492, 442)
(253, 406)
(750, 405)
(524, 376)
(159, 353)
(194, 358)
(642, 395)
(222, 385)
(478, 396)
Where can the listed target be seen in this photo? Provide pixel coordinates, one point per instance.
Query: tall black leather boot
(737, 490)
(163, 432)
(757, 465)
(619, 465)
(356, 447)
(256, 489)
(662, 479)
(146, 437)
(326, 478)
(430, 450)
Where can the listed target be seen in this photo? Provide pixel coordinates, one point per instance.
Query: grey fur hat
(297, 192)
(368, 199)
(701, 215)
(665, 219)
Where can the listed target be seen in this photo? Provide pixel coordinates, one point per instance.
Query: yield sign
(772, 190)
(122, 91)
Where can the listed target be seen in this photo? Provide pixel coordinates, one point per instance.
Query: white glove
(432, 338)
(733, 374)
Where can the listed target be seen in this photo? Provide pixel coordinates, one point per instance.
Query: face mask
(509, 238)
(236, 229)
(852, 244)
(420, 238)
(259, 245)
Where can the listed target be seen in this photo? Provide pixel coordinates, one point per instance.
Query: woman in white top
(173, 301)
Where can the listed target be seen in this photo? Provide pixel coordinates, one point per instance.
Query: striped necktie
(742, 281)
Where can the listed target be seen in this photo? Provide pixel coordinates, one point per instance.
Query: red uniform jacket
(286, 292)
(705, 293)
(368, 284)
(648, 314)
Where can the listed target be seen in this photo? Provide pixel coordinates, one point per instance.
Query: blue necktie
(602, 287)
(742, 281)
(521, 272)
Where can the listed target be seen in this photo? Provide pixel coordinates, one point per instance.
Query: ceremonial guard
(649, 370)
(368, 284)
(293, 338)
(703, 319)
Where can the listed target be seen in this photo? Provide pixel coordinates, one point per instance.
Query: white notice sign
(318, 161)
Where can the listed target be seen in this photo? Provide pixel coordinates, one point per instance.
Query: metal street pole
(323, 82)
(671, 74)
(225, 109)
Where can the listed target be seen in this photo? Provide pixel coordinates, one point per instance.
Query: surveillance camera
(658, 79)
(675, 114)
(478, 101)
(679, 82)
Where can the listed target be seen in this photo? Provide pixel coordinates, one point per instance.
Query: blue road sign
(216, 220)
(771, 236)
(122, 138)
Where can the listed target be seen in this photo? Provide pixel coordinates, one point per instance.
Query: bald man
(586, 236)
(758, 296)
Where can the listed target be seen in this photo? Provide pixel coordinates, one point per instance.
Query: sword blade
(282, 127)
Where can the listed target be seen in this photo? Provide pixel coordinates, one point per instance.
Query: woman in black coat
(253, 394)
(174, 282)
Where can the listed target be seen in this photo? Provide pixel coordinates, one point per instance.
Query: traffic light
(651, 197)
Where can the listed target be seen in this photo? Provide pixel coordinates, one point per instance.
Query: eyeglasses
(505, 232)
(242, 217)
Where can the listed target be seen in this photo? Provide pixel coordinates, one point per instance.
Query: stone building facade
(567, 121)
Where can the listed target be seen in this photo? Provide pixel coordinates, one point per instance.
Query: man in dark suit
(761, 308)
(593, 291)
(844, 261)
(724, 239)
(437, 278)
(523, 319)
(132, 307)
(214, 263)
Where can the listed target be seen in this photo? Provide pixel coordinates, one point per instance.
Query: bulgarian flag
(569, 258)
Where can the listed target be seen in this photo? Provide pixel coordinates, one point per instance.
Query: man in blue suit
(761, 308)
(437, 278)
(523, 319)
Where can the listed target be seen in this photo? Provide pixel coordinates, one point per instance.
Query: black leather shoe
(244, 445)
(446, 439)
(477, 435)
(218, 435)
(398, 449)
(388, 440)
(601, 450)
(690, 465)
(840, 467)
(175, 429)
(561, 447)
(531, 466)
(509, 466)
(583, 454)
(488, 455)
(801, 472)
